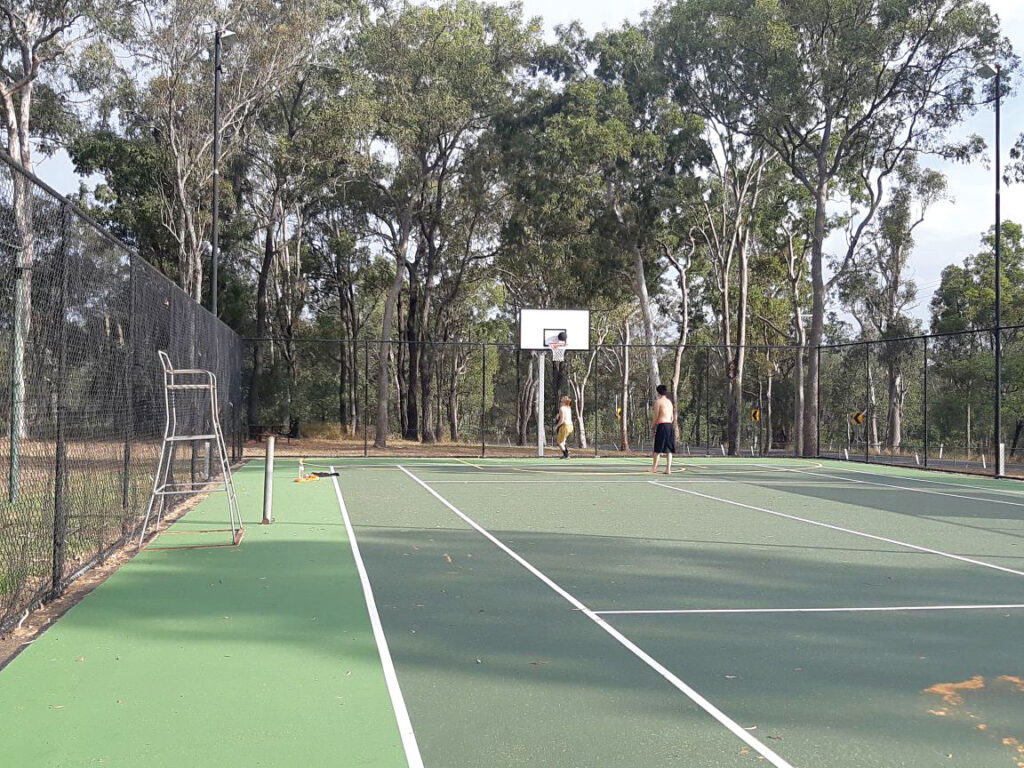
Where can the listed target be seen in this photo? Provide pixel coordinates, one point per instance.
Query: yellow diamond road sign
(755, 415)
(857, 417)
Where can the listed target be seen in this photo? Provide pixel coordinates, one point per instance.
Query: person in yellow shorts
(563, 425)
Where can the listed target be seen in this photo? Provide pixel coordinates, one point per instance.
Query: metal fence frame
(82, 422)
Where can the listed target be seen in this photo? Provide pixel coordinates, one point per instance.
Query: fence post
(925, 401)
(60, 511)
(817, 410)
(596, 406)
(129, 427)
(483, 400)
(366, 397)
(868, 410)
(707, 397)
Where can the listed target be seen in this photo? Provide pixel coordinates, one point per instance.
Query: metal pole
(214, 236)
(817, 413)
(366, 397)
(60, 510)
(925, 403)
(868, 411)
(129, 425)
(483, 401)
(540, 404)
(596, 406)
(998, 445)
(268, 484)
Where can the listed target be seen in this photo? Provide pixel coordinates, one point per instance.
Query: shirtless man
(664, 429)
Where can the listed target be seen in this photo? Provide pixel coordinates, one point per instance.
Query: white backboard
(539, 326)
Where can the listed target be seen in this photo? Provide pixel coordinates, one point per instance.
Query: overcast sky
(953, 228)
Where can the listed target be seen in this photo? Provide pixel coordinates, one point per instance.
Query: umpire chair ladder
(191, 385)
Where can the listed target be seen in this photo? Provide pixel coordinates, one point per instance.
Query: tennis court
(465, 613)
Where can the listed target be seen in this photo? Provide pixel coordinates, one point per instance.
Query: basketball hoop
(557, 350)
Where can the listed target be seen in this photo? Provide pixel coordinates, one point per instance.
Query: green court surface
(551, 613)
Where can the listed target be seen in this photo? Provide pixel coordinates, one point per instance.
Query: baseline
(841, 529)
(983, 489)
(853, 609)
(405, 729)
(910, 490)
(736, 729)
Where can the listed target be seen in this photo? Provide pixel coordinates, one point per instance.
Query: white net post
(540, 404)
(268, 484)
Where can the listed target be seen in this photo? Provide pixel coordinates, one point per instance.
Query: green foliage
(965, 299)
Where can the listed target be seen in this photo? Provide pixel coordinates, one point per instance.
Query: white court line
(982, 488)
(927, 550)
(737, 730)
(910, 490)
(412, 750)
(878, 609)
(599, 481)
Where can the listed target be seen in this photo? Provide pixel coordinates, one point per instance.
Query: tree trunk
(739, 357)
(380, 439)
(527, 399)
(872, 425)
(453, 399)
(259, 350)
(426, 361)
(810, 421)
(413, 353)
(624, 394)
(968, 425)
(640, 280)
(344, 334)
(894, 426)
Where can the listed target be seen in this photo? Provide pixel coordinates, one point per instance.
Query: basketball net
(557, 351)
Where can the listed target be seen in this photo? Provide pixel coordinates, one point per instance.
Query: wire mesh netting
(926, 401)
(472, 399)
(80, 326)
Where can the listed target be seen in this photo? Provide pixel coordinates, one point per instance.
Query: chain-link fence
(81, 321)
(322, 396)
(928, 401)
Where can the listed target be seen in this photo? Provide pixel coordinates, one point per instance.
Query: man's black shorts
(664, 438)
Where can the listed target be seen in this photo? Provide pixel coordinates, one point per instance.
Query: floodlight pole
(996, 71)
(214, 233)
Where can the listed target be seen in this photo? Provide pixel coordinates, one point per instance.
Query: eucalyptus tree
(889, 292)
(50, 50)
(653, 174)
(723, 215)
(435, 78)
(879, 292)
(166, 92)
(963, 308)
(843, 91)
(291, 172)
